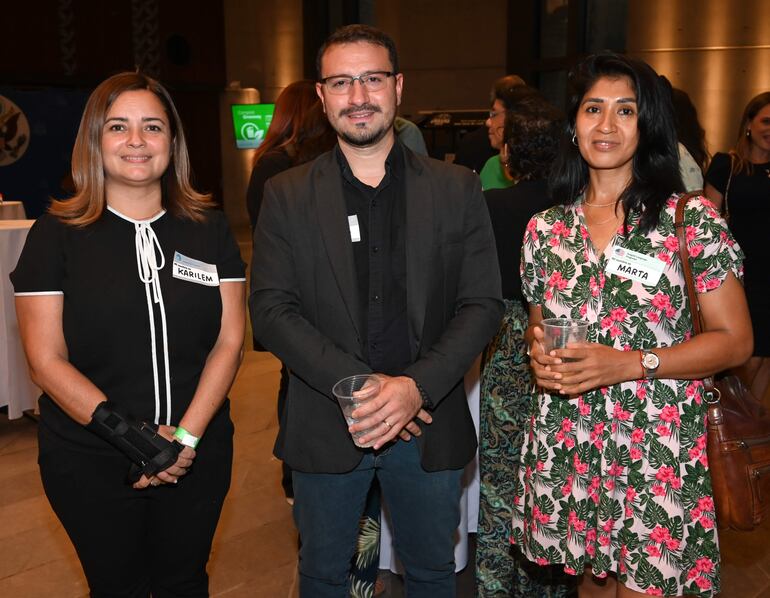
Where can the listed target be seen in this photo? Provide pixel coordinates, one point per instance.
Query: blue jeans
(424, 508)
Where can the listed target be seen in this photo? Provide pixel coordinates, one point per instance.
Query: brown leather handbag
(738, 429)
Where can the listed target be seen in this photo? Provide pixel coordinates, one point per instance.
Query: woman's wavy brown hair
(87, 205)
(742, 150)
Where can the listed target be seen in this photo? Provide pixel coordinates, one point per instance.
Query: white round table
(18, 392)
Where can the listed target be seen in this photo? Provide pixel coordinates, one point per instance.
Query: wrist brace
(139, 441)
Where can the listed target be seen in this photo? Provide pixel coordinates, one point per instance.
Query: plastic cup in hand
(351, 392)
(558, 332)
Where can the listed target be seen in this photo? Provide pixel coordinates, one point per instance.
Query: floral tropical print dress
(617, 478)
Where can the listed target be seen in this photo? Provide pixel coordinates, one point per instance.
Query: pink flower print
(594, 286)
(619, 413)
(704, 564)
(653, 316)
(618, 314)
(516, 500)
(604, 540)
(630, 494)
(606, 322)
(670, 311)
(706, 522)
(671, 203)
(660, 534)
(548, 295)
(703, 582)
(676, 483)
(577, 524)
(694, 453)
(567, 488)
(665, 474)
(653, 591)
(532, 225)
(712, 283)
(609, 484)
(569, 570)
(616, 469)
(653, 550)
(602, 279)
(583, 232)
(560, 229)
(669, 414)
(569, 442)
(541, 560)
(671, 243)
(635, 453)
(706, 503)
(641, 391)
(580, 467)
(553, 241)
(558, 281)
(615, 331)
(664, 257)
(637, 435)
(528, 473)
(672, 544)
(608, 525)
(701, 442)
(583, 310)
(662, 430)
(704, 459)
(583, 408)
(690, 234)
(591, 535)
(591, 550)
(658, 490)
(695, 514)
(559, 436)
(696, 250)
(700, 286)
(661, 301)
(540, 466)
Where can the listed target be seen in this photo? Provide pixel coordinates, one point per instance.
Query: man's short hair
(350, 34)
(505, 90)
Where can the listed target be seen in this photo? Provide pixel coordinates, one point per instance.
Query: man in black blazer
(374, 259)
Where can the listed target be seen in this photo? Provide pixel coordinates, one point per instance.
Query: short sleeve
(719, 172)
(713, 250)
(532, 283)
(230, 266)
(40, 269)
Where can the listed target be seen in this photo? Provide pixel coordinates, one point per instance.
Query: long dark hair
(531, 136)
(655, 173)
(688, 128)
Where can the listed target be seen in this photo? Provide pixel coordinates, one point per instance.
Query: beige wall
(718, 51)
(450, 51)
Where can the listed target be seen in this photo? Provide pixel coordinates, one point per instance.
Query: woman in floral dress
(614, 479)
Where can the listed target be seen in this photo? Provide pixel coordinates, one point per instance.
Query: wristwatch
(650, 363)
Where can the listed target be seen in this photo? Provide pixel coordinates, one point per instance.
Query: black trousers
(133, 543)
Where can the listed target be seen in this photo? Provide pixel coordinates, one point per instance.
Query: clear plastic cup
(351, 392)
(558, 332)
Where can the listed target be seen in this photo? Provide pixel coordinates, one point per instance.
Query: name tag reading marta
(636, 266)
(186, 268)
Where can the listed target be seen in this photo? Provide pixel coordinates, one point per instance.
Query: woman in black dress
(530, 137)
(738, 182)
(130, 298)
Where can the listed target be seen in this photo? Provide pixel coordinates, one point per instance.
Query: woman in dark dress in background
(530, 136)
(738, 182)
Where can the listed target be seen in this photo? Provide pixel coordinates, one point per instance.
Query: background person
(531, 134)
(738, 182)
(614, 481)
(130, 300)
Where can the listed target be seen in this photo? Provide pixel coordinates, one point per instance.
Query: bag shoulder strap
(692, 295)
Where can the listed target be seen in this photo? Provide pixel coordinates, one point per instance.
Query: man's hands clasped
(392, 413)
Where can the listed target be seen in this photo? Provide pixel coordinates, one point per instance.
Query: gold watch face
(650, 361)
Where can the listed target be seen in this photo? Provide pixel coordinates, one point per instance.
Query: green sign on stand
(250, 123)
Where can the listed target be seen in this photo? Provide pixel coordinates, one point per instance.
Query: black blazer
(305, 307)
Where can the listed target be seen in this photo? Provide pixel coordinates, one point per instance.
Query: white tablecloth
(469, 501)
(16, 389)
(12, 210)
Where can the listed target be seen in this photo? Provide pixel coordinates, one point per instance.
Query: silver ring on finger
(385, 421)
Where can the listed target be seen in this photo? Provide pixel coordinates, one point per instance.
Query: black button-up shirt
(380, 261)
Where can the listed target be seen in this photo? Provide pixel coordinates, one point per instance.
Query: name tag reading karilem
(636, 266)
(186, 268)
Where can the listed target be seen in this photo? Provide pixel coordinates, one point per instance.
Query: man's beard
(363, 137)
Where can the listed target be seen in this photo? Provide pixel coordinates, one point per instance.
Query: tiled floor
(255, 547)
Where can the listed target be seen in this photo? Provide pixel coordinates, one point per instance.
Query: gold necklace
(614, 217)
(599, 205)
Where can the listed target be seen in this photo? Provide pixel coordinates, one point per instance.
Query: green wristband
(184, 437)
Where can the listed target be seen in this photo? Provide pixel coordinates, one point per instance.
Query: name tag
(355, 230)
(186, 268)
(636, 266)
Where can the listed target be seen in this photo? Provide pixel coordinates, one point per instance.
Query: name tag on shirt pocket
(636, 266)
(186, 268)
(355, 229)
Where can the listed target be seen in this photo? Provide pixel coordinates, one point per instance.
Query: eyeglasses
(341, 84)
(494, 113)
